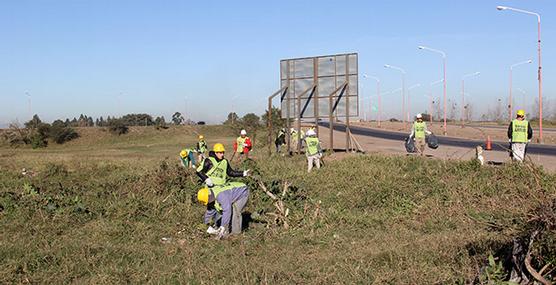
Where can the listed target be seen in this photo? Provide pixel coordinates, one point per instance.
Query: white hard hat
(310, 133)
(243, 132)
(419, 116)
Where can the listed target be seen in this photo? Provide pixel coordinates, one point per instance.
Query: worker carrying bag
(432, 141)
(410, 145)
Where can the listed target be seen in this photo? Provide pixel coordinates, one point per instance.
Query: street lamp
(403, 89)
(511, 72)
(463, 94)
(443, 54)
(408, 98)
(379, 115)
(502, 8)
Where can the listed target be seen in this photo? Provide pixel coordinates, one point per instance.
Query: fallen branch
(530, 268)
(282, 212)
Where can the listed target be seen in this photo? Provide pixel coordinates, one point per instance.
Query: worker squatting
(225, 199)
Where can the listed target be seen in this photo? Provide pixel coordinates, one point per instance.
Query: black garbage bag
(410, 145)
(432, 141)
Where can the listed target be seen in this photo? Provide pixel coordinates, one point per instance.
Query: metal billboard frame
(341, 90)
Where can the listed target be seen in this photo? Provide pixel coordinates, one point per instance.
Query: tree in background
(117, 127)
(275, 119)
(160, 123)
(177, 118)
(137, 120)
(34, 122)
(251, 122)
(232, 119)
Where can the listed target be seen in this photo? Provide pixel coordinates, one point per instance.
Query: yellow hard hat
(203, 195)
(521, 113)
(218, 148)
(201, 137)
(184, 153)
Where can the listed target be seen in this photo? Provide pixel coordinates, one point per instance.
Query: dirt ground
(470, 132)
(391, 147)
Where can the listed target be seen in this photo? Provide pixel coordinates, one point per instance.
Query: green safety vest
(202, 146)
(419, 129)
(519, 131)
(240, 142)
(312, 145)
(218, 171)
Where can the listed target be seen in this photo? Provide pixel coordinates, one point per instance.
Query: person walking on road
(224, 199)
(314, 150)
(419, 132)
(519, 134)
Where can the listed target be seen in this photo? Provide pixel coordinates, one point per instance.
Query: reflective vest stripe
(519, 131)
(419, 129)
(218, 171)
(312, 145)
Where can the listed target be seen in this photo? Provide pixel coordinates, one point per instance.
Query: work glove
(222, 233)
(528, 141)
(212, 231)
(209, 183)
(510, 140)
(246, 172)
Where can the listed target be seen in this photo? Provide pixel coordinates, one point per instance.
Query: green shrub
(61, 134)
(118, 128)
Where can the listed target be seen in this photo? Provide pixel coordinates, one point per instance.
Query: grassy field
(95, 210)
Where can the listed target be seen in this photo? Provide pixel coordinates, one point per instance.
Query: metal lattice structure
(326, 73)
(313, 88)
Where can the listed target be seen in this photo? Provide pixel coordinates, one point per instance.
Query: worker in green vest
(313, 151)
(187, 157)
(243, 145)
(419, 133)
(201, 148)
(519, 134)
(224, 199)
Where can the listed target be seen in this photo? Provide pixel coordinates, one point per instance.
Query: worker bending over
(224, 199)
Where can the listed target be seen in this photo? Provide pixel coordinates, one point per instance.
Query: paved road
(536, 130)
(442, 140)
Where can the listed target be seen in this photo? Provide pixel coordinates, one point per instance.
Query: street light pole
(463, 96)
(379, 115)
(501, 8)
(403, 90)
(443, 54)
(510, 102)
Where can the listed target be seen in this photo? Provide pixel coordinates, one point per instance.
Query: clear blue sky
(117, 57)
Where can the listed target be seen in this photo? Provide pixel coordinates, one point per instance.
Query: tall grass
(362, 219)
